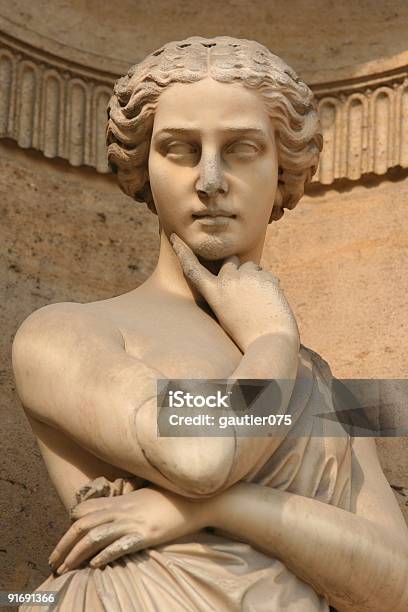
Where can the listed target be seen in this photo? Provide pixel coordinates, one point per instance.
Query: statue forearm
(352, 561)
(205, 465)
(273, 356)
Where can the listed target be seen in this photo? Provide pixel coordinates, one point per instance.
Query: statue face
(213, 151)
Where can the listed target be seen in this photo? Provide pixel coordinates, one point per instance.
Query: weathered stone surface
(318, 39)
(342, 256)
(55, 80)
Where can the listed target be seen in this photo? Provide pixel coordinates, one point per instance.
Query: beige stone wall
(56, 75)
(69, 234)
(320, 38)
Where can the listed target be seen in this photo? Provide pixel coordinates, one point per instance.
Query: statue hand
(102, 487)
(246, 299)
(108, 528)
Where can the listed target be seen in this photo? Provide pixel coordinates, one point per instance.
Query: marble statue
(217, 136)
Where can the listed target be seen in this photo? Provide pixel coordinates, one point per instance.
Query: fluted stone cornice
(365, 125)
(53, 98)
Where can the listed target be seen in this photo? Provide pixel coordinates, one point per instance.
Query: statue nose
(211, 180)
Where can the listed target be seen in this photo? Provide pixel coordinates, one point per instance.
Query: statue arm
(359, 561)
(70, 467)
(74, 374)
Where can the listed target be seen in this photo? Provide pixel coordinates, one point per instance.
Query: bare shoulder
(58, 338)
(62, 318)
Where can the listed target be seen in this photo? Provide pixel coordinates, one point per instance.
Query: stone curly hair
(288, 100)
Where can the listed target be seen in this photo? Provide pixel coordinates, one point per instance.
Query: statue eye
(243, 149)
(181, 149)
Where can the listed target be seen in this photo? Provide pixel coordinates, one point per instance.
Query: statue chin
(213, 249)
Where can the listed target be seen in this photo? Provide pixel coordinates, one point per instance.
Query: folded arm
(359, 561)
(74, 374)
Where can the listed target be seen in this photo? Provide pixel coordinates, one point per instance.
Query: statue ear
(277, 205)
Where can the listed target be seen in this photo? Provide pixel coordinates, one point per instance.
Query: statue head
(288, 101)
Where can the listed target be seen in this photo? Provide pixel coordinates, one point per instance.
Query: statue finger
(95, 540)
(250, 266)
(230, 265)
(195, 272)
(98, 487)
(128, 544)
(75, 533)
(131, 484)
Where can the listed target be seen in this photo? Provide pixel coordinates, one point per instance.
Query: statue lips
(214, 218)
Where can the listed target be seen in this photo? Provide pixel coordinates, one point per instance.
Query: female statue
(217, 136)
